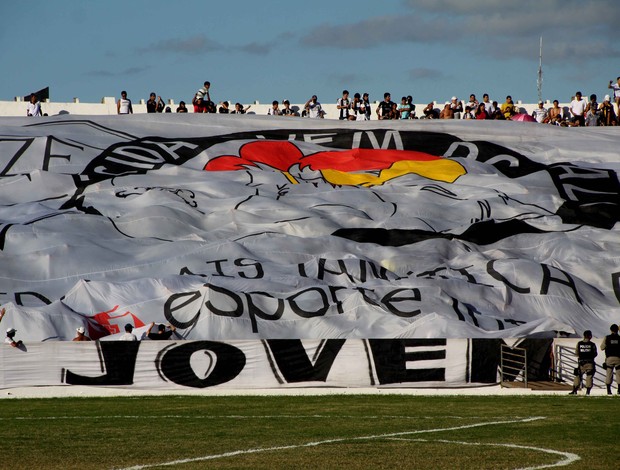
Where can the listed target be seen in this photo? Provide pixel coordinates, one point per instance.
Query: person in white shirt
(128, 335)
(313, 108)
(123, 106)
(34, 107)
(275, 109)
(540, 113)
(577, 108)
(616, 88)
(488, 106)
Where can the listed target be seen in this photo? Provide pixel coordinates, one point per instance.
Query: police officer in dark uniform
(611, 346)
(586, 352)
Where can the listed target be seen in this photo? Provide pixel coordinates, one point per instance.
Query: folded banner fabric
(248, 227)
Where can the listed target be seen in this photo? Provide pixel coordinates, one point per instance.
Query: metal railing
(566, 363)
(513, 365)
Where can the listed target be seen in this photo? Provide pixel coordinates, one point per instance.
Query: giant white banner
(241, 227)
(258, 364)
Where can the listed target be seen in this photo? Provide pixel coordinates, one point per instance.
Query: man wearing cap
(540, 113)
(10, 338)
(611, 346)
(80, 335)
(128, 335)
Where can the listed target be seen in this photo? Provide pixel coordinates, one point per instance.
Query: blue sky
(265, 50)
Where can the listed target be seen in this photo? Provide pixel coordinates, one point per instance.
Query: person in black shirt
(611, 346)
(586, 352)
(384, 110)
(155, 104)
(161, 334)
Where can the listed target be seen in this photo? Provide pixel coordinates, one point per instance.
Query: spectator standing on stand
(384, 110)
(313, 108)
(343, 105)
(201, 97)
(155, 104)
(365, 108)
(616, 88)
(577, 108)
(123, 105)
(607, 115)
(34, 107)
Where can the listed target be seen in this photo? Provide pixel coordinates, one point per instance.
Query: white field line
(329, 441)
(568, 457)
(241, 417)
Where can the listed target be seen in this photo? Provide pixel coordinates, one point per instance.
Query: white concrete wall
(107, 106)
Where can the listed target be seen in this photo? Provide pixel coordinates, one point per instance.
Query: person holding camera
(586, 353)
(611, 346)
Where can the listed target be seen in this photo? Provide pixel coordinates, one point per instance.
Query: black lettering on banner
(293, 362)
(485, 360)
(246, 262)
(301, 268)
(48, 151)
(254, 311)
(342, 269)
(5, 228)
(390, 357)
(333, 290)
(237, 311)
(119, 363)
(363, 290)
(19, 298)
(218, 267)
(615, 282)
(181, 301)
(379, 272)
(390, 300)
(567, 281)
(496, 275)
(224, 362)
(470, 310)
(592, 194)
(26, 143)
(309, 314)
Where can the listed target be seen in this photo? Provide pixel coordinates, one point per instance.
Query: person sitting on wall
(430, 112)
(508, 108)
(447, 112)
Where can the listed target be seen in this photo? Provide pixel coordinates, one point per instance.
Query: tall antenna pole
(540, 73)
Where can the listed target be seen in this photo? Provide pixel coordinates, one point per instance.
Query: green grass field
(346, 431)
